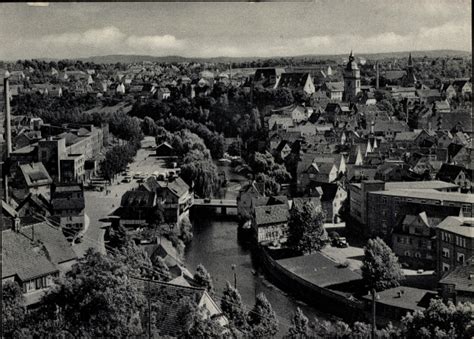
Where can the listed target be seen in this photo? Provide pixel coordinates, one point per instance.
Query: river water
(216, 246)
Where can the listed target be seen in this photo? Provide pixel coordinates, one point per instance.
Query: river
(216, 246)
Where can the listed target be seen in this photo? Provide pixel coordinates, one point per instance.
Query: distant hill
(123, 58)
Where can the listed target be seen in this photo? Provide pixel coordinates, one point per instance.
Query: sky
(210, 29)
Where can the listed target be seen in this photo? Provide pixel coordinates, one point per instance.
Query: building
(33, 256)
(72, 168)
(414, 240)
(68, 205)
(244, 200)
(359, 192)
(33, 178)
(297, 82)
(386, 207)
(457, 175)
(457, 286)
(174, 196)
(270, 219)
(394, 303)
(137, 207)
(455, 237)
(351, 79)
(165, 150)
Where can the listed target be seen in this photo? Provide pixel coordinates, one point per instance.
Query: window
(466, 210)
(461, 258)
(407, 253)
(445, 267)
(417, 255)
(446, 252)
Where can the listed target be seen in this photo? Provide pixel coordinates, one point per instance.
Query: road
(99, 204)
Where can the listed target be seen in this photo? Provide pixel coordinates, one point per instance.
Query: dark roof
(299, 202)
(293, 80)
(394, 74)
(138, 198)
(428, 93)
(319, 270)
(407, 298)
(271, 214)
(462, 277)
(58, 249)
(21, 257)
(449, 172)
(67, 196)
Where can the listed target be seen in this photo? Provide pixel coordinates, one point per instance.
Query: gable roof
(271, 214)
(293, 80)
(461, 278)
(22, 258)
(449, 172)
(138, 198)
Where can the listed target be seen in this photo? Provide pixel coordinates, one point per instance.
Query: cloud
(155, 43)
(107, 36)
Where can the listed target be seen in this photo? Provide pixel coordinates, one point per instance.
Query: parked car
(78, 240)
(137, 175)
(127, 179)
(340, 242)
(207, 200)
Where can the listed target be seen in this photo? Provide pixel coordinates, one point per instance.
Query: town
(310, 196)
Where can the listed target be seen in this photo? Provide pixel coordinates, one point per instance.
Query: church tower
(409, 80)
(351, 79)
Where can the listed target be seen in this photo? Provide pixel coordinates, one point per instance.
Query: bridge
(222, 204)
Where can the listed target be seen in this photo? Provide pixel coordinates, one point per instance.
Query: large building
(351, 79)
(455, 237)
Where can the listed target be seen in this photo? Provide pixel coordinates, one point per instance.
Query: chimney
(16, 224)
(377, 75)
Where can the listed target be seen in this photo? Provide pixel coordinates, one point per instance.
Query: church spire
(351, 57)
(410, 61)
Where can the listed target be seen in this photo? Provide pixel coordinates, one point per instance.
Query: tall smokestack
(377, 75)
(8, 126)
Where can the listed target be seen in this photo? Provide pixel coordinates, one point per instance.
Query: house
(173, 195)
(244, 200)
(270, 219)
(457, 286)
(441, 106)
(267, 77)
(428, 96)
(137, 207)
(68, 205)
(414, 240)
(163, 93)
(168, 296)
(332, 196)
(165, 150)
(462, 86)
(448, 90)
(297, 82)
(278, 121)
(334, 90)
(32, 208)
(33, 178)
(26, 138)
(455, 242)
(33, 256)
(458, 175)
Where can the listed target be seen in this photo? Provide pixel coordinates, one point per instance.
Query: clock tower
(351, 79)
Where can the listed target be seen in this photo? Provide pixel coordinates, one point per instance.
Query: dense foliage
(305, 228)
(380, 267)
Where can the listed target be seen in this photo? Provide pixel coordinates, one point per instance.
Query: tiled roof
(57, 247)
(178, 187)
(293, 80)
(449, 172)
(20, 257)
(272, 214)
(462, 277)
(429, 194)
(138, 198)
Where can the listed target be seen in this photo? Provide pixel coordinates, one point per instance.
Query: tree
(305, 228)
(97, 298)
(13, 309)
(196, 321)
(440, 320)
(234, 149)
(203, 174)
(380, 267)
(299, 325)
(204, 279)
(232, 307)
(262, 319)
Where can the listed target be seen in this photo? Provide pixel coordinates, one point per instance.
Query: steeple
(410, 61)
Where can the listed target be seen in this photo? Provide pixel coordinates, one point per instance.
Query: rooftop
(429, 194)
(319, 270)
(458, 225)
(462, 277)
(408, 298)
